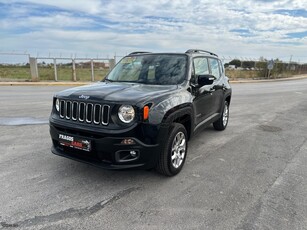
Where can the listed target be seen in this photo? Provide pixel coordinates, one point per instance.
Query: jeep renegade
(143, 113)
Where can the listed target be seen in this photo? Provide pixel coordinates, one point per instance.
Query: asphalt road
(253, 175)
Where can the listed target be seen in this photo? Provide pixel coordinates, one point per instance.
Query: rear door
(217, 89)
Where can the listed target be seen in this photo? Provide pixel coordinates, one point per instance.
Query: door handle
(217, 87)
(212, 89)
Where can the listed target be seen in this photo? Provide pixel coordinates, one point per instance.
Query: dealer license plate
(75, 142)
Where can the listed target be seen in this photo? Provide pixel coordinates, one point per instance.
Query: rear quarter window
(215, 69)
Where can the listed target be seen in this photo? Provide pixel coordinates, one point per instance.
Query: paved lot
(253, 175)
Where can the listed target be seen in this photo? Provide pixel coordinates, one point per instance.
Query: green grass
(257, 74)
(15, 72)
(65, 73)
(47, 73)
(234, 74)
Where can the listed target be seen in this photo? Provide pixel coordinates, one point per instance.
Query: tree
(235, 62)
(248, 64)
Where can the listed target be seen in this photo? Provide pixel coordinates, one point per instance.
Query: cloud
(241, 28)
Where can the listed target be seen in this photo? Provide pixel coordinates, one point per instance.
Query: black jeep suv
(143, 113)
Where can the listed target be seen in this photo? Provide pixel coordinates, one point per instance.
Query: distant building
(231, 67)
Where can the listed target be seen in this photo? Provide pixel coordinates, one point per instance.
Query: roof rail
(200, 51)
(139, 52)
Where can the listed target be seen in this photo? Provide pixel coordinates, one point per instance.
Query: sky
(246, 29)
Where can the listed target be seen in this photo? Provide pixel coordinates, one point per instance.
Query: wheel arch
(182, 115)
(228, 99)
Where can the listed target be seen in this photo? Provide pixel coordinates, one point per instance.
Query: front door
(204, 97)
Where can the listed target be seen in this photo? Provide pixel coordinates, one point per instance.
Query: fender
(177, 113)
(160, 110)
(226, 94)
(182, 114)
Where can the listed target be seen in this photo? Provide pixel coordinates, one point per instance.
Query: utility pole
(289, 66)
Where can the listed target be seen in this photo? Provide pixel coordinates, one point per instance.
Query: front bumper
(107, 150)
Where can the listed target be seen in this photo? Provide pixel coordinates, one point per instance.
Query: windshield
(158, 69)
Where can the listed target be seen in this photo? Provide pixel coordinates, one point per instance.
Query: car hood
(117, 92)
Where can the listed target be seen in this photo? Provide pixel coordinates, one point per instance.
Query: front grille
(90, 113)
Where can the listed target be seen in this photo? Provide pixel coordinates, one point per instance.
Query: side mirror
(206, 79)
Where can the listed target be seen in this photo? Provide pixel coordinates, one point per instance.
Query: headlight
(126, 113)
(57, 105)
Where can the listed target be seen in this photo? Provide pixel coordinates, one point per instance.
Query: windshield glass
(158, 69)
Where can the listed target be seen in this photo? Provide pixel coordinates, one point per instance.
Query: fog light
(133, 153)
(128, 141)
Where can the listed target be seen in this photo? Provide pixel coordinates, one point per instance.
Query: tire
(172, 158)
(222, 122)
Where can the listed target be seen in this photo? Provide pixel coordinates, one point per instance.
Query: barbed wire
(117, 57)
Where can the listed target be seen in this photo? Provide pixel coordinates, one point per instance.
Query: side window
(221, 67)
(214, 66)
(200, 66)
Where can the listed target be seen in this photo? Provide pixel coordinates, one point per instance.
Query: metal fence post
(92, 70)
(33, 69)
(55, 70)
(111, 63)
(74, 76)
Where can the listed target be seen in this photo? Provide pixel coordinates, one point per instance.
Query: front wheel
(222, 122)
(173, 156)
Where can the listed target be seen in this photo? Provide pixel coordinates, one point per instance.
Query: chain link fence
(22, 67)
(27, 68)
(77, 69)
(262, 69)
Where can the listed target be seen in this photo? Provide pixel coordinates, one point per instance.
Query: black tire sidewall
(176, 129)
(225, 104)
(219, 124)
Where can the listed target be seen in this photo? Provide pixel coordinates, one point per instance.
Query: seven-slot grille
(85, 112)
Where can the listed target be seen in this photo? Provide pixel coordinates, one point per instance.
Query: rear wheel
(222, 122)
(173, 156)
